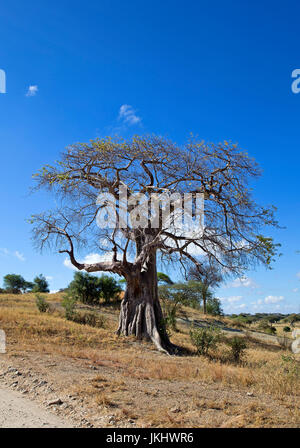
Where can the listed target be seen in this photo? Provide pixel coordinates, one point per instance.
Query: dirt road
(17, 411)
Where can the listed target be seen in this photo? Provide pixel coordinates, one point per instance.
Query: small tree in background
(85, 288)
(16, 284)
(109, 288)
(213, 307)
(209, 275)
(40, 284)
(293, 318)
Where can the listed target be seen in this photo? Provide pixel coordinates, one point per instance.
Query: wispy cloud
(4, 251)
(274, 299)
(32, 91)
(231, 299)
(128, 115)
(16, 253)
(19, 255)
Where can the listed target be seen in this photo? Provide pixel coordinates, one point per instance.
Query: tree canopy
(233, 221)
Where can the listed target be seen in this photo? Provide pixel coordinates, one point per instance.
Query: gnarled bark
(141, 313)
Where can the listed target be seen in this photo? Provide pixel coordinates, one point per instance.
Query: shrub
(236, 324)
(286, 329)
(69, 304)
(266, 327)
(41, 303)
(205, 339)
(238, 346)
(243, 319)
(270, 330)
(291, 366)
(89, 318)
(170, 312)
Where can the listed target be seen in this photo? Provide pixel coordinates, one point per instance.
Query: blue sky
(220, 69)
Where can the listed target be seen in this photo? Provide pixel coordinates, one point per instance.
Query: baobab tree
(154, 166)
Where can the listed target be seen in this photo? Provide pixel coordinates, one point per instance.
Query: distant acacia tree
(16, 284)
(40, 284)
(164, 279)
(209, 275)
(233, 220)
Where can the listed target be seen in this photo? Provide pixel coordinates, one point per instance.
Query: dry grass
(128, 364)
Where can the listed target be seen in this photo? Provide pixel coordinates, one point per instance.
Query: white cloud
(244, 282)
(32, 91)
(231, 299)
(231, 304)
(241, 306)
(298, 274)
(295, 290)
(128, 115)
(16, 253)
(48, 277)
(273, 299)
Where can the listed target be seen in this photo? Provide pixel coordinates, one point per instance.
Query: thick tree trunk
(141, 313)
